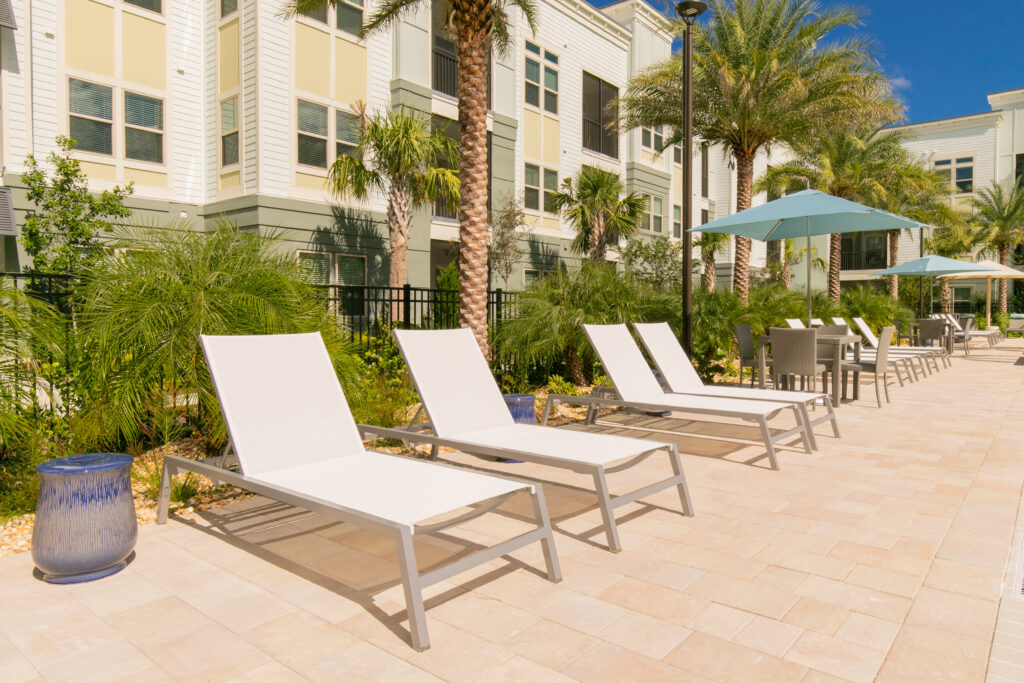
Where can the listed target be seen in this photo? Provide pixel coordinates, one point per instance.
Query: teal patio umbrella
(935, 266)
(805, 214)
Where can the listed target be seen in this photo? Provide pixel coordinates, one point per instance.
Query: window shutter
(351, 270)
(316, 268)
(7, 224)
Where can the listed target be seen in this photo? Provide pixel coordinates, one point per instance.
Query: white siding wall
(187, 122)
(274, 124)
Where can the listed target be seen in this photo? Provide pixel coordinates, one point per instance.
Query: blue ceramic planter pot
(523, 411)
(85, 525)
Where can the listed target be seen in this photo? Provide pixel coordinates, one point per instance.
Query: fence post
(406, 304)
(499, 298)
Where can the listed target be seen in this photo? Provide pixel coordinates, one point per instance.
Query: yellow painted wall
(310, 182)
(227, 57)
(229, 180)
(677, 184)
(349, 71)
(531, 134)
(144, 51)
(531, 220)
(552, 143)
(97, 171)
(312, 57)
(89, 44)
(147, 178)
(551, 222)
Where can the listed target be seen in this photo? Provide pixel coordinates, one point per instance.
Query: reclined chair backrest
(869, 336)
(817, 322)
(281, 400)
(795, 323)
(668, 354)
(836, 320)
(454, 380)
(625, 365)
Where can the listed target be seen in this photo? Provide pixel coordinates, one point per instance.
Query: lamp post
(688, 11)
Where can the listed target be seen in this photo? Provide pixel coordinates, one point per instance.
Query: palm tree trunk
(473, 57)
(1004, 258)
(945, 295)
(597, 245)
(894, 254)
(709, 275)
(572, 365)
(744, 186)
(787, 273)
(835, 255)
(399, 217)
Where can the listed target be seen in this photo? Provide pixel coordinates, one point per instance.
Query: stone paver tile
(551, 644)
(77, 634)
(582, 612)
(158, 622)
(884, 581)
(816, 615)
(744, 595)
(892, 560)
(101, 664)
(675, 576)
(779, 579)
(153, 674)
(358, 662)
(915, 547)
(520, 669)
(768, 635)
(857, 598)
(607, 662)
(646, 635)
(13, 665)
(844, 532)
(586, 578)
(965, 579)
(298, 640)
(810, 563)
(720, 621)
(486, 617)
(650, 599)
(953, 612)
(271, 672)
(122, 591)
(820, 677)
(837, 657)
(458, 655)
(867, 631)
(926, 653)
(727, 564)
(210, 653)
(721, 660)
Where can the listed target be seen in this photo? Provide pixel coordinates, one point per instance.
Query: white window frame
(547, 61)
(237, 130)
(952, 165)
(118, 124)
(162, 132)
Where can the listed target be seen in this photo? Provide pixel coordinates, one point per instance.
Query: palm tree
(476, 27)
(955, 239)
(764, 74)
(863, 166)
(793, 254)
(926, 203)
(1000, 214)
(594, 204)
(710, 243)
(398, 154)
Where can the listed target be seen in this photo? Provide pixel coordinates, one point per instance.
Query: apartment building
(227, 109)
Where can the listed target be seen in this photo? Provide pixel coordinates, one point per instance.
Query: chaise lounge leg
(164, 500)
(547, 544)
(832, 415)
(804, 416)
(413, 591)
(767, 435)
(604, 502)
(677, 469)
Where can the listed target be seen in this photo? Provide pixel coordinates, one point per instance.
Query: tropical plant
(710, 243)
(764, 72)
(503, 248)
(142, 313)
(792, 253)
(477, 27)
(999, 212)
(398, 154)
(594, 205)
(875, 306)
(549, 325)
(954, 240)
(657, 260)
(926, 201)
(62, 234)
(865, 166)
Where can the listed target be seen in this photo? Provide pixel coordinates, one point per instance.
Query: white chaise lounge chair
(896, 359)
(466, 412)
(932, 353)
(296, 442)
(638, 389)
(681, 378)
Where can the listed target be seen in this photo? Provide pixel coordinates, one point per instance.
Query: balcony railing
(862, 260)
(446, 73)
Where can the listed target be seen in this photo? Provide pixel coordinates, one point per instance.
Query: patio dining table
(947, 336)
(838, 342)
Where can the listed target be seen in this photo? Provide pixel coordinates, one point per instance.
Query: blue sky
(943, 57)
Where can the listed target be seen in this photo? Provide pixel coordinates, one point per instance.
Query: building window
(350, 16)
(653, 213)
(704, 177)
(319, 14)
(143, 128)
(773, 252)
(653, 138)
(1019, 169)
(533, 191)
(958, 172)
(229, 132)
(347, 130)
(677, 221)
(227, 7)
(704, 216)
(600, 133)
(91, 121)
(677, 155)
(342, 271)
(151, 5)
(312, 124)
(535, 66)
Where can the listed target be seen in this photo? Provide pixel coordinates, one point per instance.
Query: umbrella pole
(807, 257)
(988, 302)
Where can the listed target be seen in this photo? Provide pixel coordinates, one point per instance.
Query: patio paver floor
(883, 555)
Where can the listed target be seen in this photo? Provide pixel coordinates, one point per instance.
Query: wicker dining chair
(795, 354)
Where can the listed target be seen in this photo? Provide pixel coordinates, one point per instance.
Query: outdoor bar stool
(794, 354)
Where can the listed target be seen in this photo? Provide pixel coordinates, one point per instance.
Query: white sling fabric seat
(467, 413)
(296, 441)
(679, 374)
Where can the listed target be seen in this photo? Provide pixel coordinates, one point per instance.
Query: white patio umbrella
(997, 271)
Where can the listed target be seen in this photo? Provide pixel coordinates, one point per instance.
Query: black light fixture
(688, 11)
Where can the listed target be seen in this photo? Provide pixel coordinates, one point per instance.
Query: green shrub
(558, 385)
(383, 392)
(876, 307)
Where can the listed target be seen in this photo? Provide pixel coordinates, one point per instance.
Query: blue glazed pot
(523, 411)
(85, 525)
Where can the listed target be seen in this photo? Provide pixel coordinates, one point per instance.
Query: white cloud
(899, 83)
